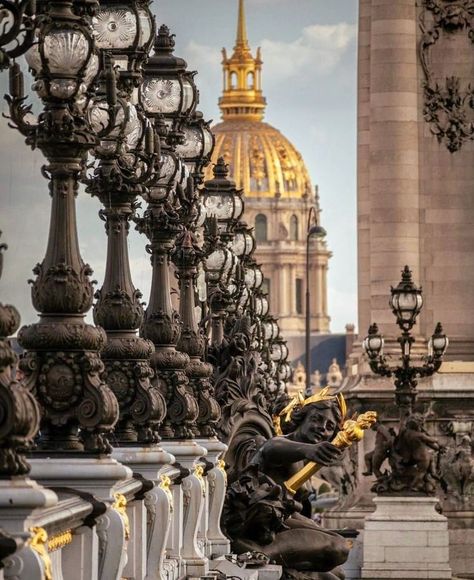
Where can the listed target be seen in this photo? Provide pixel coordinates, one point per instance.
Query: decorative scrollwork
(58, 541)
(120, 505)
(39, 543)
(17, 20)
(448, 103)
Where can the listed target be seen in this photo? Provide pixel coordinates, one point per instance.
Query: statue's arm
(430, 441)
(281, 451)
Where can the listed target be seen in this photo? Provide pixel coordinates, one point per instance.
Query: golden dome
(261, 159)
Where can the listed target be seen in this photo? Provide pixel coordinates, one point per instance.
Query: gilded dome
(261, 160)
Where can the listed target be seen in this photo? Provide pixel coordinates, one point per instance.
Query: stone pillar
(363, 157)
(393, 203)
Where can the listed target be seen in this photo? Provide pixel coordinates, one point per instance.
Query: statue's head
(316, 422)
(317, 418)
(415, 421)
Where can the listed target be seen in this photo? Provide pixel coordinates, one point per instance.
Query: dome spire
(242, 40)
(242, 97)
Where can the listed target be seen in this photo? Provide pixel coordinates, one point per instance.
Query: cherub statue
(262, 514)
(411, 460)
(374, 460)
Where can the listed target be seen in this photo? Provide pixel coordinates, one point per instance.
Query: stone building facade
(278, 192)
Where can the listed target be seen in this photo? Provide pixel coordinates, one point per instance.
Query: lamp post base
(406, 538)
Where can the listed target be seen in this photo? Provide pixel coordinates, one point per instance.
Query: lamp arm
(379, 366)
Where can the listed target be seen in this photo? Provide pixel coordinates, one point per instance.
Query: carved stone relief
(448, 98)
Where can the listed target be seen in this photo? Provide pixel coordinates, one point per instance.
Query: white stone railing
(144, 514)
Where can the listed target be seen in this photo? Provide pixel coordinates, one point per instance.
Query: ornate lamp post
(186, 257)
(224, 206)
(313, 230)
(406, 302)
(411, 449)
(194, 151)
(125, 160)
(167, 95)
(62, 366)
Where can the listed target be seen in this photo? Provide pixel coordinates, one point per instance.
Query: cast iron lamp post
(125, 160)
(168, 96)
(406, 302)
(62, 365)
(224, 206)
(316, 231)
(194, 151)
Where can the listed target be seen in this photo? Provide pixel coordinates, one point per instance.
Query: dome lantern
(242, 97)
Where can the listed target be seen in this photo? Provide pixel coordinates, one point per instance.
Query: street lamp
(406, 302)
(316, 231)
(410, 450)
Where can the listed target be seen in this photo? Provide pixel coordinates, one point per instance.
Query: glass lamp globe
(127, 127)
(284, 373)
(63, 61)
(126, 30)
(168, 88)
(219, 265)
(243, 244)
(265, 306)
(373, 344)
(406, 300)
(271, 329)
(170, 173)
(438, 342)
(197, 143)
(277, 352)
(253, 277)
(221, 198)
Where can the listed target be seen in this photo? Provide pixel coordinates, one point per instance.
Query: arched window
(250, 80)
(293, 228)
(261, 228)
(233, 80)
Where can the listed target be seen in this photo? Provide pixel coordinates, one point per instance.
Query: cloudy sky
(309, 79)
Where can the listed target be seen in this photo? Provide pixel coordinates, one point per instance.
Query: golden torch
(352, 430)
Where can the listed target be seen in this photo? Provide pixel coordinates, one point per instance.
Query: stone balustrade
(144, 514)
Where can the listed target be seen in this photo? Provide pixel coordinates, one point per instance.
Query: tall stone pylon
(416, 161)
(415, 196)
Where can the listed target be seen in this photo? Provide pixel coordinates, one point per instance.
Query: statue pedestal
(406, 538)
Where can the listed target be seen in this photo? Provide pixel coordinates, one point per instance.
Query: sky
(309, 80)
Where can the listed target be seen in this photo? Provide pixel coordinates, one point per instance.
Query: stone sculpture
(456, 470)
(411, 458)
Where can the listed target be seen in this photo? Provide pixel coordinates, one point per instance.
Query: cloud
(318, 50)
